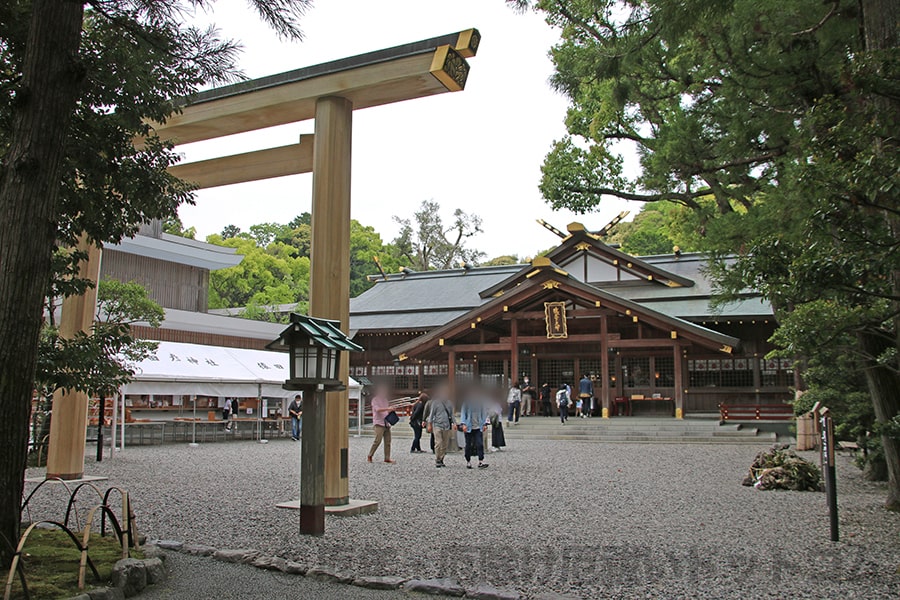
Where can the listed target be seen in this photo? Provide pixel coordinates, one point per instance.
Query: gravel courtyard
(589, 520)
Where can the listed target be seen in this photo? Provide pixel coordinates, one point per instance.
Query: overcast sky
(479, 150)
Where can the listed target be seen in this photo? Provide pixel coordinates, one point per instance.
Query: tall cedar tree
(784, 112)
(79, 81)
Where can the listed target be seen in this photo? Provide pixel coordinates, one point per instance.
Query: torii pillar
(328, 93)
(68, 427)
(330, 270)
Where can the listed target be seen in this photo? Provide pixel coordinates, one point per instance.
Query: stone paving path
(202, 578)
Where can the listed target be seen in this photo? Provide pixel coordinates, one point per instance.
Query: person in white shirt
(514, 399)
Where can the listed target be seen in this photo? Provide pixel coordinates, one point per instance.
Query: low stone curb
(435, 587)
(231, 555)
(255, 558)
(380, 583)
(328, 575)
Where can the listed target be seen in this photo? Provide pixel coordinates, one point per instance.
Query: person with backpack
(562, 400)
(514, 400)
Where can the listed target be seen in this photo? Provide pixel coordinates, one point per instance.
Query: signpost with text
(826, 426)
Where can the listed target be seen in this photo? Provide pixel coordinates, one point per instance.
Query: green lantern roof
(324, 332)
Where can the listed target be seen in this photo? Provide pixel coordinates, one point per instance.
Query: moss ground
(51, 562)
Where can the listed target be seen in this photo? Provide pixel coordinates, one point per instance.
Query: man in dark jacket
(416, 420)
(295, 409)
(586, 395)
(546, 399)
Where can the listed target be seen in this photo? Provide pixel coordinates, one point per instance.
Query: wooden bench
(756, 412)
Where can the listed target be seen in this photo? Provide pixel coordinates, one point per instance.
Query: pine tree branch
(686, 198)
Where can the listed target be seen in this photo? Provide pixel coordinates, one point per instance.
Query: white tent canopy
(179, 369)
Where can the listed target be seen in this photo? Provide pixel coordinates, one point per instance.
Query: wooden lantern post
(316, 347)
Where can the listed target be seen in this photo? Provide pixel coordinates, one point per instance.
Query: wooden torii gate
(328, 93)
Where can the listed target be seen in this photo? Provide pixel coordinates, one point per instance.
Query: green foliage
(99, 363)
(275, 268)
(266, 233)
(365, 245)
(230, 231)
(266, 276)
(174, 226)
(427, 243)
(650, 232)
(707, 95)
(891, 428)
(499, 261)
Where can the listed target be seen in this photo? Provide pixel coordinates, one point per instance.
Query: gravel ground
(586, 519)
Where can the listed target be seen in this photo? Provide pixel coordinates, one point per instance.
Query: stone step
(641, 434)
(746, 436)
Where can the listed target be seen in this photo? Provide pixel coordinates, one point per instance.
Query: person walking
(381, 407)
(495, 416)
(529, 398)
(235, 410)
(514, 400)
(562, 400)
(416, 421)
(226, 414)
(295, 409)
(441, 423)
(545, 394)
(585, 394)
(472, 418)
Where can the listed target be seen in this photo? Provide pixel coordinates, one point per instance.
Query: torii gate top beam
(424, 68)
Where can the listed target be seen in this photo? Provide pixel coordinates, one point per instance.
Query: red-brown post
(514, 350)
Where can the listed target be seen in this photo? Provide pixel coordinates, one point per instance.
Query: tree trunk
(29, 191)
(884, 388)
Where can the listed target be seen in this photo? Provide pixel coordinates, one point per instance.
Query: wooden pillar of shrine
(678, 355)
(604, 365)
(514, 351)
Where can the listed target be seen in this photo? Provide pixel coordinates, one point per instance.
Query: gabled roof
(549, 279)
(421, 300)
(580, 241)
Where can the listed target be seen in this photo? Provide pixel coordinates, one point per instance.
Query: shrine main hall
(641, 327)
